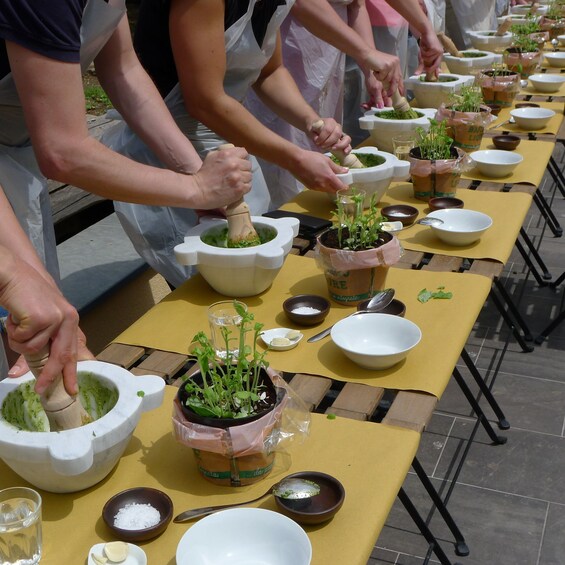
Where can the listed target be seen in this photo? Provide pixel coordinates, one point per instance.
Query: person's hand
(386, 69)
(377, 95)
(329, 135)
(431, 54)
(317, 172)
(41, 317)
(224, 177)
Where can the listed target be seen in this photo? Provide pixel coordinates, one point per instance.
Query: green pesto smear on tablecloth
(22, 408)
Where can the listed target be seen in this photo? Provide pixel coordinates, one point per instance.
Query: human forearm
(412, 12)
(137, 99)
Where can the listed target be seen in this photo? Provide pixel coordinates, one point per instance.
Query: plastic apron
(318, 70)
(20, 177)
(463, 16)
(155, 230)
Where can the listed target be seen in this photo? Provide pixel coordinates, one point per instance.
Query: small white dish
(136, 555)
(496, 163)
(392, 227)
(546, 82)
(460, 226)
(561, 39)
(281, 334)
(555, 58)
(532, 118)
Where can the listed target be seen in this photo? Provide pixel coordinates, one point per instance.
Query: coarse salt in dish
(136, 517)
(306, 310)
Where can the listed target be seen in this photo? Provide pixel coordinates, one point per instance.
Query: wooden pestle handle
(449, 45)
(400, 103)
(503, 27)
(349, 161)
(240, 226)
(63, 411)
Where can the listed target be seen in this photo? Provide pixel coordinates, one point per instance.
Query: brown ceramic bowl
(292, 308)
(506, 142)
(495, 109)
(400, 213)
(319, 508)
(141, 495)
(442, 202)
(396, 307)
(526, 105)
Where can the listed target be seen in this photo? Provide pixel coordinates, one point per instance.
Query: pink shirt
(382, 15)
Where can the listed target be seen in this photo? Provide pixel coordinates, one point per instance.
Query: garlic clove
(116, 551)
(293, 334)
(99, 559)
(280, 341)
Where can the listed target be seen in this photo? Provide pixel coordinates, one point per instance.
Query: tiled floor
(508, 500)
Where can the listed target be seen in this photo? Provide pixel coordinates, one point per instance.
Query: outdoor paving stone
(488, 520)
(433, 441)
(553, 547)
(530, 464)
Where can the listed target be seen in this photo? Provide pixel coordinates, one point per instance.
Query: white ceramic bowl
(561, 39)
(532, 118)
(487, 41)
(376, 341)
(546, 82)
(460, 226)
(555, 58)
(375, 180)
(244, 536)
(524, 9)
(73, 460)
(495, 162)
(469, 65)
(432, 94)
(238, 272)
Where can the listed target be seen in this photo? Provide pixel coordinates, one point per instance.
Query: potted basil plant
(230, 410)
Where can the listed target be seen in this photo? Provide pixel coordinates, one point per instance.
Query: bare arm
(43, 315)
(197, 39)
(53, 101)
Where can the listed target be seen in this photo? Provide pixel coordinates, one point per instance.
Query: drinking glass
(351, 201)
(402, 144)
(225, 324)
(20, 526)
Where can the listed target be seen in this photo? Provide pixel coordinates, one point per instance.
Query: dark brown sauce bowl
(506, 142)
(306, 300)
(319, 508)
(442, 202)
(400, 213)
(526, 105)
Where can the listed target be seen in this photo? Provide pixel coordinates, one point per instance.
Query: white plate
(268, 335)
(136, 555)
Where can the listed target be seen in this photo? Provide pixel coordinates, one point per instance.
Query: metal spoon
(429, 221)
(290, 489)
(510, 120)
(378, 302)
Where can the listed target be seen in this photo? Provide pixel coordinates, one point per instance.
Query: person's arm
(197, 40)
(354, 38)
(39, 314)
(53, 102)
(431, 50)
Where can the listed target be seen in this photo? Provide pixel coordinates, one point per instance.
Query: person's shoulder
(49, 28)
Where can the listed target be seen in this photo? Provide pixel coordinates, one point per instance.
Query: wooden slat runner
(406, 409)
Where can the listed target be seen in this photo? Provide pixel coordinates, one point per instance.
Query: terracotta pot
(553, 27)
(499, 87)
(434, 179)
(523, 63)
(363, 273)
(466, 128)
(231, 452)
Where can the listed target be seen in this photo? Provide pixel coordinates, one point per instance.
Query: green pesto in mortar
(22, 408)
(218, 236)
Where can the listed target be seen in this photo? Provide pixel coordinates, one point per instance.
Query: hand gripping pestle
(241, 232)
(349, 161)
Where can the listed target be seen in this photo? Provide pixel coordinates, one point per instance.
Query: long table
(370, 460)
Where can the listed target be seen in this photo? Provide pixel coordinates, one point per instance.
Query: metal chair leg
(503, 423)
(547, 213)
(499, 440)
(461, 547)
(423, 527)
(513, 310)
(535, 254)
(545, 333)
(557, 175)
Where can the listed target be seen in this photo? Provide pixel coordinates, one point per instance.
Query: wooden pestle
(503, 27)
(63, 411)
(448, 45)
(240, 226)
(349, 161)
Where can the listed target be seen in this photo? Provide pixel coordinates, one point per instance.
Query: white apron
(20, 177)
(463, 16)
(318, 70)
(153, 230)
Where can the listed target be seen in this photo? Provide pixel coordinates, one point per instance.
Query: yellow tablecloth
(531, 170)
(371, 461)
(552, 126)
(445, 324)
(531, 91)
(497, 242)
